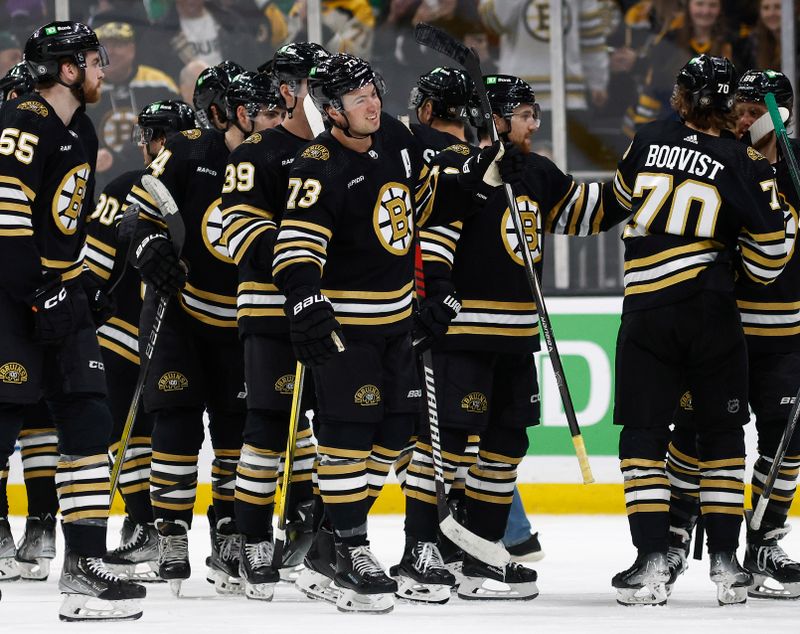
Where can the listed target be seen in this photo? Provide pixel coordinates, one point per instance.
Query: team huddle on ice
(269, 260)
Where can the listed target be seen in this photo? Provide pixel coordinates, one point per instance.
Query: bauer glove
(53, 314)
(494, 165)
(313, 329)
(158, 264)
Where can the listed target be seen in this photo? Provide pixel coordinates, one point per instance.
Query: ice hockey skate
(9, 570)
(223, 564)
(316, 579)
(299, 533)
(421, 574)
(365, 586)
(37, 548)
(92, 593)
(775, 574)
(644, 583)
(732, 580)
(173, 553)
(136, 558)
(677, 555)
(256, 571)
(482, 582)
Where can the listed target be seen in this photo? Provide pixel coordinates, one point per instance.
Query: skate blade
(482, 589)
(455, 568)
(175, 587)
(80, 607)
(415, 592)
(731, 595)
(140, 572)
(223, 583)
(651, 594)
(765, 587)
(317, 586)
(37, 570)
(352, 602)
(259, 591)
(9, 569)
(289, 574)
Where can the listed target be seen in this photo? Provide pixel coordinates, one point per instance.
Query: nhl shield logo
(475, 403)
(172, 382)
(367, 395)
(13, 373)
(285, 384)
(733, 405)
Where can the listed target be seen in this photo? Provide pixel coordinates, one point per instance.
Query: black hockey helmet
(507, 92)
(252, 90)
(337, 75)
(162, 117)
(18, 79)
(211, 86)
(294, 61)
(54, 42)
(450, 90)
(754, 85)
(711, 82)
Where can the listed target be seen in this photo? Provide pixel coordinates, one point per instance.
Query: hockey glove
(313, 328)
(433, 318)
(53, 314)
(158, 264)
(494, 165)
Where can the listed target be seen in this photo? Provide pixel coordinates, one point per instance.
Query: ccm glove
(53, 314)
(491, 167)
(313, 328)
(433, 318)
(158, 264)
(102, 305)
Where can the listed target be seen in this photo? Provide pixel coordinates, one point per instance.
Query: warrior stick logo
(13, 373)
(368, 395)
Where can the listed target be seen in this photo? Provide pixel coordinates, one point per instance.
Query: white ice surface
(583, 552)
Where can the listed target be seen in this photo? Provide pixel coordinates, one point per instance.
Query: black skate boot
(136, 559)
(644, 583)
(9, 570)
(365, 586)
(92, 593)
(732, 580)
(255, 569)
(226, 547)
(421, 574)
(299, 533)
(480, 582)
(37, 548)
(765, 559)
(316, 579)
(677, 555)
(173, 553)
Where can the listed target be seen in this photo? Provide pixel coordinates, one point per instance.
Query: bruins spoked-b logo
(537, 19)
(392, 218)
(68, 199)
(212, 232)
(367, 395)
(13, 373)
(528, 214)
(285, 384)
(475, 403)
(172, 382)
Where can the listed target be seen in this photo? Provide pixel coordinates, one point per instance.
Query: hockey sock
(83, 485)
(256, 480)
(173, 486)
(379, 463)
(402, 462)
(780, 500)
(134, 478)
(468, 458)
(683, 472)
(343, 484)
(4, 491)
(722, 462)
(305, 455)
(223, 481)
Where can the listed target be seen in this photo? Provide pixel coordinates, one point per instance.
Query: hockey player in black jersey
(344, 259)
(253, 199)
(197, 365)
(209, 94)
(105, 255)
(48, 344)
(771, 326)
(696, 195)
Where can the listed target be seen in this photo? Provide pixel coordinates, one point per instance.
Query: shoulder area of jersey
(321, 149)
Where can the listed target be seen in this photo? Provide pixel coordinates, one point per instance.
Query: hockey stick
(445, 44)
(794, 414)
(492, 553)
(177, 231)
(127, 227)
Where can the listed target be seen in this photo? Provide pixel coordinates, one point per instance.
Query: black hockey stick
(127, 227)
(177, 232)
(794, 414)
(445, 44)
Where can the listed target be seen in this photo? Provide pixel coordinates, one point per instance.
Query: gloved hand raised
(494, 165)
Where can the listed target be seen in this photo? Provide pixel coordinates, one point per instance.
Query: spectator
(188, 78)
(348, 26)
(22, 17)
(10, 52)
(763, 45)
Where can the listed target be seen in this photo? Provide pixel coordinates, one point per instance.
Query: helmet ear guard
(710, 81)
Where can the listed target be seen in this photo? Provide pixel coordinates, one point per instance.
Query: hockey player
(696, 195)
(773, 348)
(253, 199)
(477, 293)
(197, 365)
(137, 555)
(48, 343)
(209, 94)
(347, 235)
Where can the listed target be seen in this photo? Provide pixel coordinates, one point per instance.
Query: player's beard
(91, 94)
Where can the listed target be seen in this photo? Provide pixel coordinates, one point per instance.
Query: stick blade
(168, 208)
(313, 116)
(441, 41)
(488, 552)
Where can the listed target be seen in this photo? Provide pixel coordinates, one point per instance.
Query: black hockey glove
(313, 329)
(158, 264)
(53, 314)
(433, 318)
(494, 165)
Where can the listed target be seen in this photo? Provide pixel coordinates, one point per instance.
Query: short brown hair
(702, 118)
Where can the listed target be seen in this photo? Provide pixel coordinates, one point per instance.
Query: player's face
(363, 109)
(769, 11)
(267, 118)
(746, 114)
(94, 75)
(524, 122)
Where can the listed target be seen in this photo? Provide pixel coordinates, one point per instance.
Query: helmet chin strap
(763, 125)
(346, 130)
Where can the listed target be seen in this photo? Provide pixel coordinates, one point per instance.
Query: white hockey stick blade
(492, 553)
(313, 116)
(763, 125)
(160, 193)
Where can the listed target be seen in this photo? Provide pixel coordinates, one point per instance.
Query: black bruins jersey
(432, 141)
(46, 175)
(350, 220)
(694, 198)
(771, 314)
(253, 200)
(482, 256)
(104, 257)
(192, 166)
